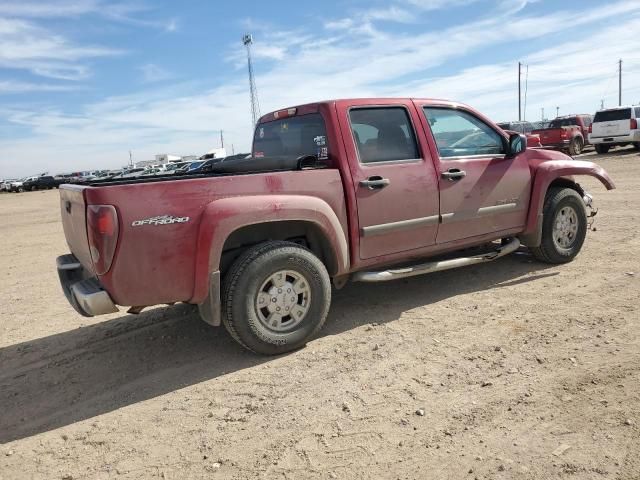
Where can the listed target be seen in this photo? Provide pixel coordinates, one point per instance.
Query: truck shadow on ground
(72, 376)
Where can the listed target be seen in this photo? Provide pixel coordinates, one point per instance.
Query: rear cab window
(612, 115)
(563, 122)
(292, 137)
(383, 134)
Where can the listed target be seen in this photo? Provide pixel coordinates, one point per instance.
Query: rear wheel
(601, 148)
(275, 297)
(564, 226)
(636, 145)
(575, 148)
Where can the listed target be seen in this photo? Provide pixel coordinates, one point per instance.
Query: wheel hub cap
(565, 228)
(283, 300)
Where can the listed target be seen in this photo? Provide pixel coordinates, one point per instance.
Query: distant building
(163, 158)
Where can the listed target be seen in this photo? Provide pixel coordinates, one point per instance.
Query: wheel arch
(232, 224)
(556, 173)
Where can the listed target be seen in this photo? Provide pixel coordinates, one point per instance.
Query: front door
(481, 190)
(393, 175)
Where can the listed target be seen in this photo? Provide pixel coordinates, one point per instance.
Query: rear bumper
(82, 289)
(634, 136)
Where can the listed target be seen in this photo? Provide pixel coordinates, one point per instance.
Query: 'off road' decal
(160, 220)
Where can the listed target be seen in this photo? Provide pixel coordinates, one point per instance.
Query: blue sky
(82, 82)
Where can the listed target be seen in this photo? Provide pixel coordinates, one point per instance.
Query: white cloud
(25, 87)
(26, 46)
(154, 73)
(339, 63)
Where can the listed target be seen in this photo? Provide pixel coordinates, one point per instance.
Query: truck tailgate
(74, 222)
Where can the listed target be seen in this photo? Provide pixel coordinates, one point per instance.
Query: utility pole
(558, 108)
(130, 159)
(542, 114)
(620, 82)
(221, 140)
(519, 89)
(247, 40)
(602, 104)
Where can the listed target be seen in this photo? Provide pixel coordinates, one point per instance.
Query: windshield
(292, 137)
(612, 115)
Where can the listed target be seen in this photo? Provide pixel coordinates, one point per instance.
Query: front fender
(548, 171)
(224, 216)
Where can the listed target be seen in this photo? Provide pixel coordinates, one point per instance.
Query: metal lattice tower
(247, 40)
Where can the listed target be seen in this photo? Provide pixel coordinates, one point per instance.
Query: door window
(460, 134)
(383, 134)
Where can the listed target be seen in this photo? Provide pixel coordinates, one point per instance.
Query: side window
(383, 134)
(460, 134)
(637, 110)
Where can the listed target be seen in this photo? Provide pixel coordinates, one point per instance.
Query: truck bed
(164, 255)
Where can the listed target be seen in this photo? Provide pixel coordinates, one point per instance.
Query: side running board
(421, 269)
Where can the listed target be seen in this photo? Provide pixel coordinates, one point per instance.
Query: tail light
(634, 124)
(563, 134)
(590, 128)
(102, 230)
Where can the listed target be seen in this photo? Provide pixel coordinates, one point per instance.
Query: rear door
(481, 190)
(611, 123)
(393, 175)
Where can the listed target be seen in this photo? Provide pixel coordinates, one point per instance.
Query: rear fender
(545, 174)
(224, 216)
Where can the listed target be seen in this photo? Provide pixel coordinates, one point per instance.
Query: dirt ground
(509, 370)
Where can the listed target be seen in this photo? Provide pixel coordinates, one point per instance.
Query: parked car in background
(524, 128)
(42, 182)
(362, 190)
(16, 185)
(5, 186)
(568, 133)
(191, 166)
(208, 164)
(615, 127)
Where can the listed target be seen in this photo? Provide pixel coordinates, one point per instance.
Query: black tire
(576, 145)
(558, 201)
(243, 282)
(636, 145)
(601, 148)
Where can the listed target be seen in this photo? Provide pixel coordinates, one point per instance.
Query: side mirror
(517, 144)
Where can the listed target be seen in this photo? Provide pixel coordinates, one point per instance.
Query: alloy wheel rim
(283, 300)
(565, 228)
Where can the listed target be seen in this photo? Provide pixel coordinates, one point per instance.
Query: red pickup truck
(334, 191)
(569, 133)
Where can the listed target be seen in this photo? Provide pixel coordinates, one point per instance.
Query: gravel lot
(511, 370)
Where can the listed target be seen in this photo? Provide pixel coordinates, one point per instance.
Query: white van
(615, 126)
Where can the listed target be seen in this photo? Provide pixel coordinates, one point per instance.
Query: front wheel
(601, 148)
(275, 297)
(564, 226)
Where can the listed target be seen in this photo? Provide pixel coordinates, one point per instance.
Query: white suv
(615, 126)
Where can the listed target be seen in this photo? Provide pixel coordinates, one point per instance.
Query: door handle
(454, 174)
(375, 183)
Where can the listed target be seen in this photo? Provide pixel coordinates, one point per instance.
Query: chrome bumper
(83, 291)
